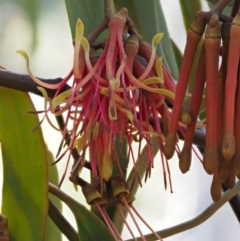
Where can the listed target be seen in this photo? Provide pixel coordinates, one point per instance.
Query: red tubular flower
(114, 95)
(108, 99)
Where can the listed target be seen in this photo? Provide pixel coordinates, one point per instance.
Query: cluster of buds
(120, 91)
(218, 71)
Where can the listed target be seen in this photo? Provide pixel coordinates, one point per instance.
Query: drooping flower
(117, 95)
(111, 95)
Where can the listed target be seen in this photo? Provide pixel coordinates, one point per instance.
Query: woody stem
(235, 8)
(97, 31)
(220, 5)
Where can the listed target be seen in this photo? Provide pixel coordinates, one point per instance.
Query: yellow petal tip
(157, 38)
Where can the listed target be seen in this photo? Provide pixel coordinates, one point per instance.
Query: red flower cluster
(115, 95)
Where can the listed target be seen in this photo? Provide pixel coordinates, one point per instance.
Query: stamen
(140, 217)
(132, 216)
(125, 221)
(106, 221)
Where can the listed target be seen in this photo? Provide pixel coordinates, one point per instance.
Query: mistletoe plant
(122, 92)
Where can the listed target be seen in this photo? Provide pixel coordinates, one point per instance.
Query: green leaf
(189, 10)
(148, 19)
(121, 150)
(52, 232)
(90, 227)
(194, 70)
(25, 182)
(91, 12)
(56, 221)
(178, 54)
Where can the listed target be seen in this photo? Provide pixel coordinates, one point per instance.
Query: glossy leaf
(91, 12)
(25, 182)
(90, 227)
(148, 19)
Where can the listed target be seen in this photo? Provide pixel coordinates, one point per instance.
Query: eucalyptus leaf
(91, 12)
(189, 10)
(25, 169)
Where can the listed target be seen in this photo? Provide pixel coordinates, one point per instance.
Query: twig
(24, 83)
(207, 16)
(234, 203)
(235, 8)
(220, 5)
(206, 214)
(61, 222)
(97, 31)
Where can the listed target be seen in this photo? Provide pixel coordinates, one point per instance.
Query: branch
(235, 8)
(61, 222)
(220, 5)
(24, 83)
(206, 214)
(234, 203)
